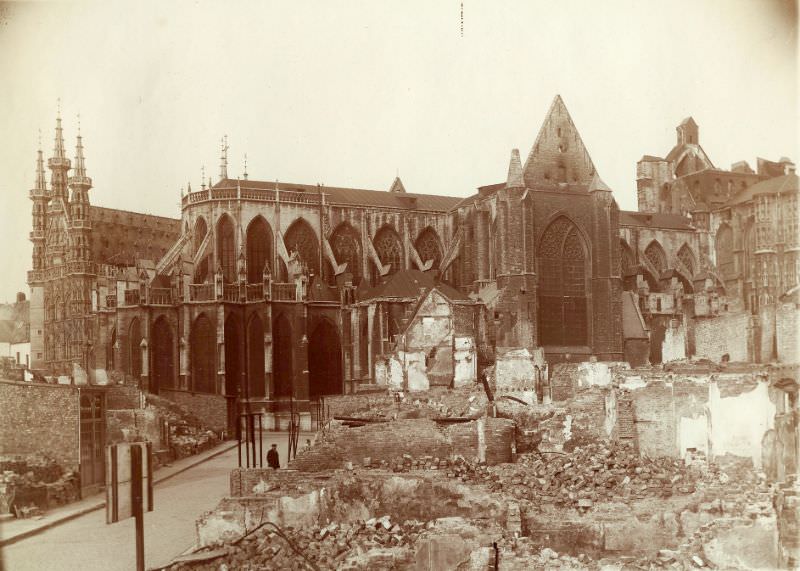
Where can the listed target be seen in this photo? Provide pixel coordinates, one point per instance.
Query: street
(88, 543)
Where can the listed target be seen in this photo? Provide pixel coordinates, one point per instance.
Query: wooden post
(137, 503)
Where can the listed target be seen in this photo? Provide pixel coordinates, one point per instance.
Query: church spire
(223, 165)
(41, 183)
(80, 163)
(59, 163)
(58, 149)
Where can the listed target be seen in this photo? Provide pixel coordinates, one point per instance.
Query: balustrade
(284, 292)
(132, 297)
(201, 292)
(160, 296)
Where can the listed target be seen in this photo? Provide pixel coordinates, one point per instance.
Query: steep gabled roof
(121, 237)
(407, 284)
(558, 144)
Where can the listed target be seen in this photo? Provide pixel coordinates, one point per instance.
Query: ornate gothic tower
(39, 197)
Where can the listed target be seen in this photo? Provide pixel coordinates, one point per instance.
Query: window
(389, 248)
(227, 249)
(259, 249)
(563, 304)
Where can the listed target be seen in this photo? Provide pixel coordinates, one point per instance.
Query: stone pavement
(77, 536)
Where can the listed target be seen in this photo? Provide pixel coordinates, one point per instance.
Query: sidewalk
(14, 530)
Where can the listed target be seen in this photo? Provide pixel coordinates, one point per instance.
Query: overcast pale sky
(350, 93)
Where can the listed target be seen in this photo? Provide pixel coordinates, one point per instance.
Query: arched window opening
(163, 352)
(346, 245)
(301, 238)
(256, 384)
(226, 247)
(429, 247)
(282, 368)
(657, 258)
(200, 231)
(686, 258)
(563, 296)
(389, 248)
(259, 249)
(203, 343)
(135, 349)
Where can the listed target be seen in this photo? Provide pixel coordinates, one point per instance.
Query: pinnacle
(515, 177)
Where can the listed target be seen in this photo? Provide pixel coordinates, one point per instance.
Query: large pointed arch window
(657, 258)
(563, 299)
(259, 249)
(301, 238)
(686, 258)
(346, 245)
(226, 247)
(389, 248)
(428, 247)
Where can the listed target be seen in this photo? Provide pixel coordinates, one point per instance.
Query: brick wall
(724, 334)
(655, 420)
(416, 437)
(563, 382)
(211, 409)
(40, 418)
(122, 397)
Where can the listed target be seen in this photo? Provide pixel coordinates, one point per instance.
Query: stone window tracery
(563, 300)
(687, 259)
(200, 230)
(301, 238)
(346, 245)
(655, 255)
(427, 246)
(389, 248)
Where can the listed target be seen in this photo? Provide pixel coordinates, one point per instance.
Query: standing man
(272, 458)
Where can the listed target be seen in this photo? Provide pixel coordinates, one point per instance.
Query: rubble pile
(375, 544)
(452, 404)
(596, 472)
(186, 440)
(37, 482)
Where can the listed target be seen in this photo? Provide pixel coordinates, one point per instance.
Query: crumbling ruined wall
(490, 438)
(40, 418)
(211, 408)
(726, 334)
(722, 415)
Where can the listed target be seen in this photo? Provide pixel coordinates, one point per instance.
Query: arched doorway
(282, 367)
(134, 349)
(324, 361)
(203, 341)
(233, 357)
(256, 384)
(163, 360)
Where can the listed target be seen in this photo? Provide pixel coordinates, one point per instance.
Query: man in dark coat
(272, 458)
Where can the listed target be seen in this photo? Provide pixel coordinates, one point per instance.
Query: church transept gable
(558, 155)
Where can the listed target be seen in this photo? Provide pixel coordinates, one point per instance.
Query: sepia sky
(351, 93)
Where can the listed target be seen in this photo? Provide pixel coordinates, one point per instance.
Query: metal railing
(246, 433)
